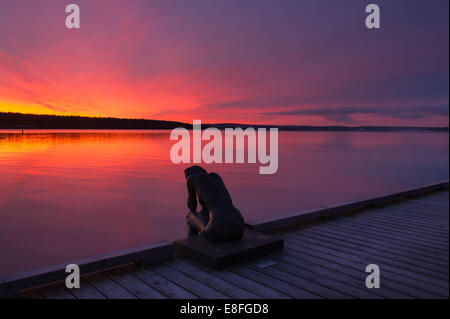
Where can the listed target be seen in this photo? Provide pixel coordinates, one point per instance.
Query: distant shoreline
(34, 121)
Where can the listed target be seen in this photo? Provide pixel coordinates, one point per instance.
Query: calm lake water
(68, 195)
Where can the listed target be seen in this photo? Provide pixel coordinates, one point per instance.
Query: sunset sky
(303, 62)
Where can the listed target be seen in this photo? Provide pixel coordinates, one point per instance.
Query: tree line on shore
(10, 120)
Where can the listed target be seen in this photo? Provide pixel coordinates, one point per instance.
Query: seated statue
(218, 219)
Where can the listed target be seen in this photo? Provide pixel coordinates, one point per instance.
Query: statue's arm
(192, 196)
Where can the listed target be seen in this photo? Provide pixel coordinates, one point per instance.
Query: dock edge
(275, 223)
(156, 252)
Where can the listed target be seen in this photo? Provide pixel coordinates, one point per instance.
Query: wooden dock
(324, 258)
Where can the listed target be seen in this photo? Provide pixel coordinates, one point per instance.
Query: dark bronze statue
(218, 220)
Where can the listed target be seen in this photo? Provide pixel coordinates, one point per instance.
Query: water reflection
(66, 195)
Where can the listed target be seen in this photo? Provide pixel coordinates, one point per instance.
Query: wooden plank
(430, 202)
(137, 287)
(331, 278)
(438, 197)
(435, 228)
(168, 288)
(152, 253)
(429, 237)
(58, 291)
(373, 229)
(391, 261)
(31, 294)
(87, 291)
(416, 288)
(438, 279)
(343, 235)
(109, 288)
(416, 238)
(437, 208)
(429, 268)
(244, 282)
(375, 250)
(423, 214)
(212, 281)
(441, 197)
(428, 233)
(329, 282)
(187, 282)
(414, 215)
(394, 237)
(298, 281)
(326, 269)
(422, 210)
(355, 233)
(345, 265)
(273, 283)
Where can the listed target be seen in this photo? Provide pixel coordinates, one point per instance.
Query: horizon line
(223, 123)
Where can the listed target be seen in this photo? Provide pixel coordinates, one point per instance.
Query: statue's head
(193, 170)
